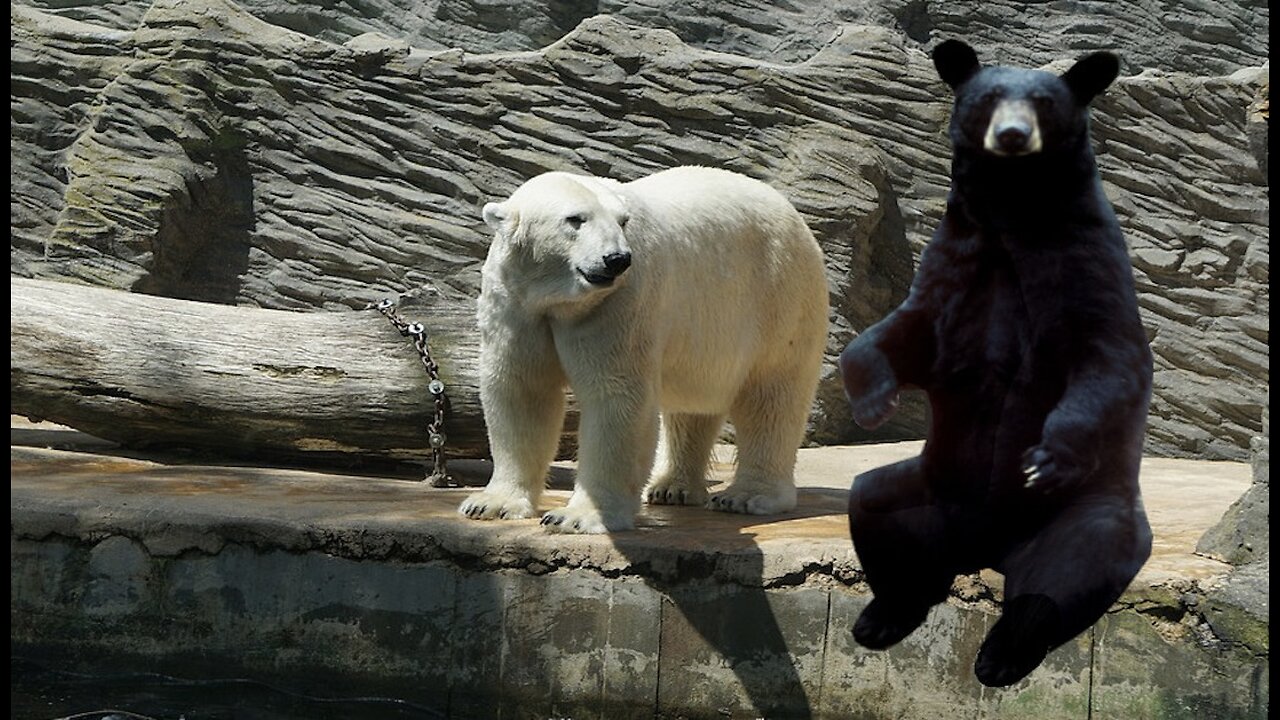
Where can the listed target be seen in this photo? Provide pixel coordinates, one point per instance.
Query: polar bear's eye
(576, 221)
(622, 221)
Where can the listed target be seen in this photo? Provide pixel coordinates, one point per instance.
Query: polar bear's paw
(754, 500)
(671, 491)
(583, 520)
(491, 505)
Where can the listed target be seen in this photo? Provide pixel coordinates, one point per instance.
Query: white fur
(723, 313)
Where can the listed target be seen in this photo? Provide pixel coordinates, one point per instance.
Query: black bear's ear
(955, 61)
(1091, 75)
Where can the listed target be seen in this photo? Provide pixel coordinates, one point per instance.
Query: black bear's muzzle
(1013, 140)
(1014, 129)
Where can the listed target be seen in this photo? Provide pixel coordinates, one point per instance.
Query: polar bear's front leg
(523, 401)
(617, 435)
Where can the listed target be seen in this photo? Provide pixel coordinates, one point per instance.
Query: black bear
(1022, 327)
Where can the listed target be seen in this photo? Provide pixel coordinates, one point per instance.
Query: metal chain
(439, 475)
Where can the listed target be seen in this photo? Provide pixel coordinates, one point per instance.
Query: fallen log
(157, 373)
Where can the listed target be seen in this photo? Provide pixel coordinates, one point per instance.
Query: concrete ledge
(359, 584)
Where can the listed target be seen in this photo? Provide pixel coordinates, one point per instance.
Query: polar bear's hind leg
(769, 418)
(682, 477)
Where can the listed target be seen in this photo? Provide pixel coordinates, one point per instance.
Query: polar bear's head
(565, 232)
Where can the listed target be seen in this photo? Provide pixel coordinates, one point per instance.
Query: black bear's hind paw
(880, 627)
(995, 669)
(1018, 642)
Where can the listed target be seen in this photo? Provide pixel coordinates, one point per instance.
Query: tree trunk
(158, 373)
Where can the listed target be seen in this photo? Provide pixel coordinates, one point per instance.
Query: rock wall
(1242, 537)
(204, 151)
(1203, 37)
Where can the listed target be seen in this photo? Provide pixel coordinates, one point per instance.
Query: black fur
(1022, 326)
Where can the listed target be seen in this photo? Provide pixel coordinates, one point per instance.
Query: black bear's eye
(1043, 102)
(576, 221)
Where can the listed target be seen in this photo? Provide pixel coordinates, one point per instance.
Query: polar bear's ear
(494, 215)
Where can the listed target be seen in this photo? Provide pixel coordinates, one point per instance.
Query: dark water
(42, 693)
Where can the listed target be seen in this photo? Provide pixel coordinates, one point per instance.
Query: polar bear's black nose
(617, 263)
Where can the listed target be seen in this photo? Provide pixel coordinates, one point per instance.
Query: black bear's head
(1014, 112)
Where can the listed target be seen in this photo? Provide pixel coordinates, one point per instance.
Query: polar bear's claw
(672, 493)
(753, 501)
(562, 522)
(582, 520)
(667, 497)
(488, 505)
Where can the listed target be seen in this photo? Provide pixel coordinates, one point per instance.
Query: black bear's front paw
(871, 387)
(1049, 471)
(876, 406)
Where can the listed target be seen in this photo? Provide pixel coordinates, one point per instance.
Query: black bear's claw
(1032, 472)
(1050, 471)
(869, 384)
(1040, 469)
(871, 410)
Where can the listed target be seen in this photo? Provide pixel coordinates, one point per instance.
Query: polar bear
(696, 293)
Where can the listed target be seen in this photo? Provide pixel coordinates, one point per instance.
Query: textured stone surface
(238, 162)
(209, 154)
(1234, 609)
(738, 651)
(1140, 657)
(1243, 538)
(344, 585)
(1243, 535)
(1194, 208)
(935, 662)
(1197, 36)
(58, 70)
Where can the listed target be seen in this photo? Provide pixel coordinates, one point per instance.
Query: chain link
(439, 475)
